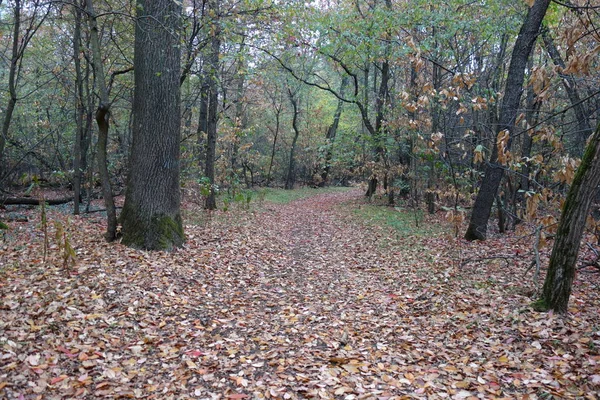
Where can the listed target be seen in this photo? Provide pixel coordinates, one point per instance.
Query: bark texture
(563, 260)
(494, 171)
(12, 77)
(202, 121)
(291, 175)
(80, 110)
(151, 217)
(213, 103)
(103, 121)
(584, 129)
(331, 134)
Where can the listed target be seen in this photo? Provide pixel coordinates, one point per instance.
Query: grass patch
(404, 221)
(282, 196)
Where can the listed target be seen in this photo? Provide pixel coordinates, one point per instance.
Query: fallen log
(33, 202)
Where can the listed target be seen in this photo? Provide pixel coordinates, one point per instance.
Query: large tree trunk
(103, 121)
(561, 270)
(291, 175)
(213, 103)
(151, 216)
(477, 229)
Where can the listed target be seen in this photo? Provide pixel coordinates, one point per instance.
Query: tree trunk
(532, 106)
(291, 175)
(561, 270)
(213, 103)
(79, 110)
(202, 120)
(151, 216)
(275, 135)
(12, 91)
(332, 132)
(103, 121)
(584, 128)
(240, 118)
(477, 229)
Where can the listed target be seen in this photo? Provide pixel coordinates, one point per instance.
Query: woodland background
(315, 93)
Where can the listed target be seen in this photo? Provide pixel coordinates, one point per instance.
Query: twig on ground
(506, 259)
(594, 263)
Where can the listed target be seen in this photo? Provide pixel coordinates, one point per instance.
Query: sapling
(64, 245)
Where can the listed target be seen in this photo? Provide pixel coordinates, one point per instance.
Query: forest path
(337, 305)
(293, 301)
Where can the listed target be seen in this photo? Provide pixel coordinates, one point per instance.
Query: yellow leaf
(342, 390)
(462, 384)
(352, 368)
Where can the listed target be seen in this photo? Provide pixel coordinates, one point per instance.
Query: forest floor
(316, 298)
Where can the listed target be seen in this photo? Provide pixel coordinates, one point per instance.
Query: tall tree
(77, 146)
(213, 102)
(331, 134)
(151, 216)
(494, 171)
(20, 40)
(584, 129)
(291, 174)
(103, 121)
(561, 270)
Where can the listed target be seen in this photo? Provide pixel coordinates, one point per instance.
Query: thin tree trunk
(240, 119)
(376, 131)
(12, 91)
(20, 42)
(79, 110)
(103, 121)
(290, 181)
(563, 260)
(477, 229)
(584, 129)
(332, 132)
(202, 121)
(276, 134)
(533, 106)
(213, 103)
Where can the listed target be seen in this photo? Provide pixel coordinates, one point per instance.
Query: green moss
(540, 305)
(3, 225)
(161, 232)
(171, 232)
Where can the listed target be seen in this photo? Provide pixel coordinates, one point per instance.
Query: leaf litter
(300, 300)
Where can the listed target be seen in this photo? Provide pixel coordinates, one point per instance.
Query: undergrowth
(403, 220)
